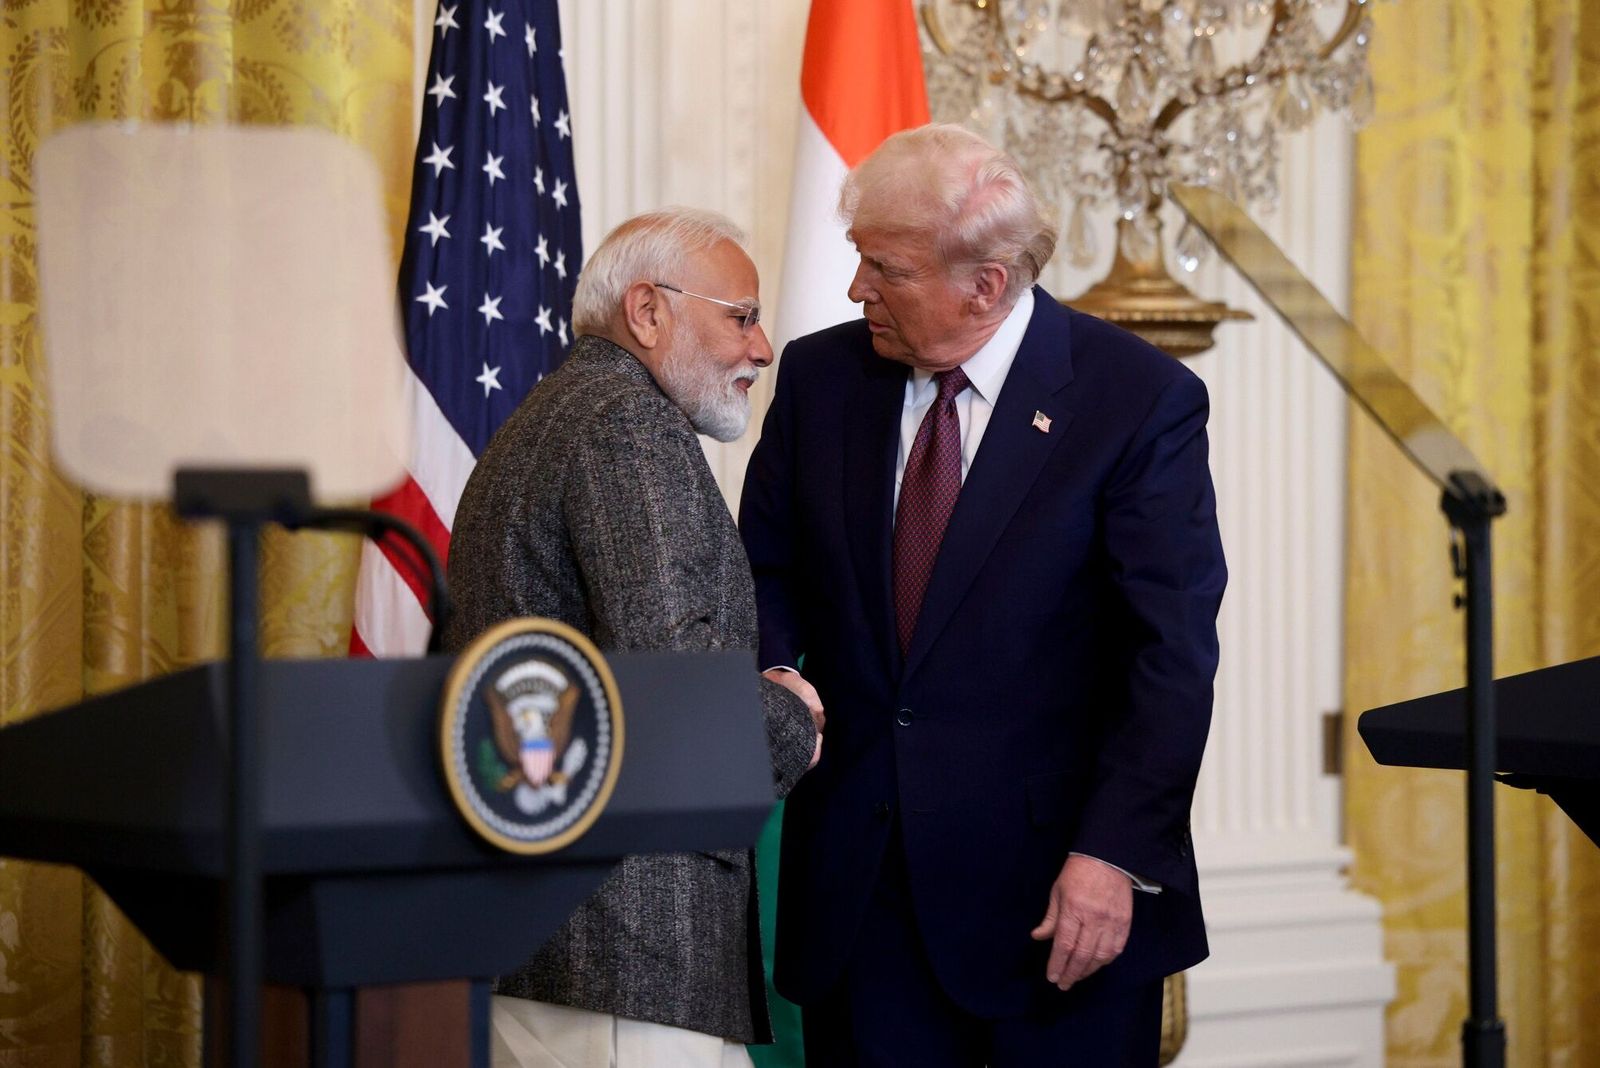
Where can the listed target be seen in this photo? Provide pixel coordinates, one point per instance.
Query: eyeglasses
(749, 310)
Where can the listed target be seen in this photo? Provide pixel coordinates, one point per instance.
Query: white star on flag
(490, 379)
(563, 125)
(435, 228)
(530, 38)
(534, 101)
(561, 264)
(490, 309)
(492, 24)
(433, 298)
(440, 159)
(491, 238)
(538, 179)
(441, 89)
(492, 168)
(543, 319)
(559, 194)
(494, 98)
(447, 20)
(542, 250)
(562, 331)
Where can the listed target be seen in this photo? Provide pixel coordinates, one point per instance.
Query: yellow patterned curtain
(1476, 245)
(98, 594)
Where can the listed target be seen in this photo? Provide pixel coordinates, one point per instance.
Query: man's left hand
(1091, 907)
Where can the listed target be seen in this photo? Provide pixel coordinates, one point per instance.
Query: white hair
(651, 247)
(971, 198)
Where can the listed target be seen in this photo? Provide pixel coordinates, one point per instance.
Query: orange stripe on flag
(861, 78)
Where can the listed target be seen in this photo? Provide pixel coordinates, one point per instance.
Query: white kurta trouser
(533, 1034)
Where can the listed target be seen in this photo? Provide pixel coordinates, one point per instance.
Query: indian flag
(860, 81)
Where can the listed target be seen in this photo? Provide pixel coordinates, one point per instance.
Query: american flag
(491, 258)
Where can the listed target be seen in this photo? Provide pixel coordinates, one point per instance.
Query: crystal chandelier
(1103, 102)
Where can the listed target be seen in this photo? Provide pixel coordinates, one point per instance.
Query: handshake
(795, 683)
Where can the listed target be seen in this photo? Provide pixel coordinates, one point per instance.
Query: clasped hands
(796, 684)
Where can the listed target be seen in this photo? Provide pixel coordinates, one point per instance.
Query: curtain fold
(99, 594)
(1477, 209)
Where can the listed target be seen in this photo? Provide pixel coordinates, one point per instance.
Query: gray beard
(714, 405)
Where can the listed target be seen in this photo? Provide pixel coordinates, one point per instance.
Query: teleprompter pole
(1472, 505)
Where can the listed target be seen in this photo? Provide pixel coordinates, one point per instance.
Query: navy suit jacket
(1057, 692)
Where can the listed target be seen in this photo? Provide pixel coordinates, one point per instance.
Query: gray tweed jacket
(593, 505)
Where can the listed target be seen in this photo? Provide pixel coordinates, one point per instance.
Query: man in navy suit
(986, 524)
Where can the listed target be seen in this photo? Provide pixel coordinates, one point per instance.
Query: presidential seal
(531, 735)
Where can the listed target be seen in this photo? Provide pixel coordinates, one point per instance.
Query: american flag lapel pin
(1041, 422)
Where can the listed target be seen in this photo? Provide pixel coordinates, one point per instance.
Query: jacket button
(904, 718)
(881, 810)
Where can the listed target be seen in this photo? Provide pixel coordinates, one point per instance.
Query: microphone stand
(245, 500)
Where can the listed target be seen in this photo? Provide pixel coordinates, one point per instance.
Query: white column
(1297, 975)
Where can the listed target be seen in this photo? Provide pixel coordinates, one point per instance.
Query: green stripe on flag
(787, 1050)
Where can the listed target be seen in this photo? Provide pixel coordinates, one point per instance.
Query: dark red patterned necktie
(928, 491)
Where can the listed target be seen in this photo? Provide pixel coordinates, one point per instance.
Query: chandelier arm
(929, 10)
(1097, 105)
(1230, 79)
(1212, 87)
(1354, 12)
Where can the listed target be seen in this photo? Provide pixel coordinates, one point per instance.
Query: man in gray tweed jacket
(593, 505)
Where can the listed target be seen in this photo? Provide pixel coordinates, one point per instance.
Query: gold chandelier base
(1141, 297)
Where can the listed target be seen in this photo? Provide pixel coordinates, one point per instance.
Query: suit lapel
(872, 434)
(1009, 459)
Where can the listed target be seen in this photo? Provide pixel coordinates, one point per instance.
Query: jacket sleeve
(766, 522)
(791, 735)
(635, 512)
(1166, 561)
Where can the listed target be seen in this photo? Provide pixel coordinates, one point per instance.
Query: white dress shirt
(986, 370)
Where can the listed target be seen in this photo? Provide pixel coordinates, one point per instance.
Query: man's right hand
(796, 684)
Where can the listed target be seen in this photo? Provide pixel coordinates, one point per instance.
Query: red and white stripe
(860, 81)
(389, 615)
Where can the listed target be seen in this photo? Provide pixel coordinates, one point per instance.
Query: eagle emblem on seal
(531, 705)
(530, 734)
